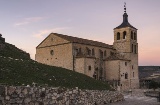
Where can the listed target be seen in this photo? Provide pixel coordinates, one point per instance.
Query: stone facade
(22, 95)
(117, 63)
(55, 51)
(128, 48)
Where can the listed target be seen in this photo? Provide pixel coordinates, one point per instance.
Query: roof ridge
(83, 41)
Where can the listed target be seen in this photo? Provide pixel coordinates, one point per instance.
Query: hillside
(12, 51)
(16, 68)
(146, 71)
(149, 68)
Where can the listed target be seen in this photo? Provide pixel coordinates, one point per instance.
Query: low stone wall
(22, 95)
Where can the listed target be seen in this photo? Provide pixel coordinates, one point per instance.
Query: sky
(25, 23)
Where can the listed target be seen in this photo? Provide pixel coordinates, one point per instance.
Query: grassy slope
(26, 71)
(12, 51)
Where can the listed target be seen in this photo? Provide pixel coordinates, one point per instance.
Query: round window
(51, 52)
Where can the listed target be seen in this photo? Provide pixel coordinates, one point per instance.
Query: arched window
(124, 34)
(118, 36)
(131, 35)
(135, 36)
(126, 75)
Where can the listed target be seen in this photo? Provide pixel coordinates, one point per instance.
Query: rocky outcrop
(2, 42)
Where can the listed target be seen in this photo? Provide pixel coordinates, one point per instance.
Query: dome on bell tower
(125, 22)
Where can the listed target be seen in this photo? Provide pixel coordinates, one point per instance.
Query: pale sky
(25, 23)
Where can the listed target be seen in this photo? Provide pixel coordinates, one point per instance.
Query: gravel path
(137, 98)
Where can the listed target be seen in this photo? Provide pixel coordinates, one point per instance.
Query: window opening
(88, 51)
(124, 35)
(118, 36)
(101, 54)
(131, 35)
(125, 63)
(135, 36)
(135, 49)
(52, 52)
(126, 75)
(89, 67)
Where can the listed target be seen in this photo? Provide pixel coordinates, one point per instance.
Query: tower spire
(124, 7)
(125, 22)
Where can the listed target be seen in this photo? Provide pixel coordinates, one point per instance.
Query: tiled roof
(83, 41)
(115, 57)
(125, 22)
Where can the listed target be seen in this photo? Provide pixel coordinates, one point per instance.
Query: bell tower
(125, 42)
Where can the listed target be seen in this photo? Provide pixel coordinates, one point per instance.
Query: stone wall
(22, 95)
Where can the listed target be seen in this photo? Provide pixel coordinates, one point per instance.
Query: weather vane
(125, 7)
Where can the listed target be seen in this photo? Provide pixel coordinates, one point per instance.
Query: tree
(153, 85)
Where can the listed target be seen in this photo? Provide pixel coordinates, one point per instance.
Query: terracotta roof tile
(115, 57)
(83, 41)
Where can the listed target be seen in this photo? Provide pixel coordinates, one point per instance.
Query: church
(117, 64)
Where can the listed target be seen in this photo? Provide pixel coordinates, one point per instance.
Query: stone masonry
(21, 95)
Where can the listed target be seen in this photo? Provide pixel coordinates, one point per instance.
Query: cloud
(26, 21)
(42, 33)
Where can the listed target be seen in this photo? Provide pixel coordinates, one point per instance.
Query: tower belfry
(125, 42)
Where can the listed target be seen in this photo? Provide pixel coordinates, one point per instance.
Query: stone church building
(117, 63)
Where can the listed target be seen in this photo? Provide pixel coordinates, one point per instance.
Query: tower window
(126, 75)
(135, 36)
(118, 36)
(135, 49)
(132, 66)
(131, 35)
(124, 35)
(133, 74)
